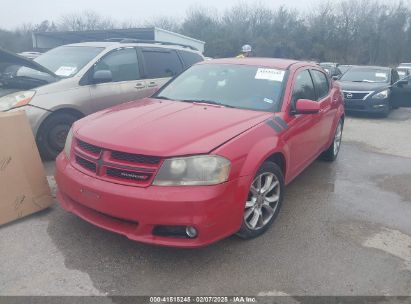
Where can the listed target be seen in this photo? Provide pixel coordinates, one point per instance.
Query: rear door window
(161, 63)
(321, 83)
(190, 58)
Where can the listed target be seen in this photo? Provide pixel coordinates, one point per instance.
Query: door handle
(140, 85)
(152, 84)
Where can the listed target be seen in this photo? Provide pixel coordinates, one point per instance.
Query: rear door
(160, 65)
(127, 83)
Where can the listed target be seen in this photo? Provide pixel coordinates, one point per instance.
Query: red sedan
(207, 156)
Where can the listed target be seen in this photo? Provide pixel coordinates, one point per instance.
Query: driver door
(126, 84)
(401, 93)
(304, 136)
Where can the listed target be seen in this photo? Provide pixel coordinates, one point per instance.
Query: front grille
(129, 175)
(86, 164)
(350, 95)
(115, 166)
(135, 158)
(88, 147)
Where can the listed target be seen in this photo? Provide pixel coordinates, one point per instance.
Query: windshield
(66, 61)
(367, 75)
(237, 86)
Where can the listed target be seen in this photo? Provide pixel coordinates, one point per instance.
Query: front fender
(248, 151)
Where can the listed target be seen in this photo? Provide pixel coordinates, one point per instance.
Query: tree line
(348, 31)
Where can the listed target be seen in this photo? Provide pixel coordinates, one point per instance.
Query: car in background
(332, 69)
(403, 72)
(79, 79)
(30, 55)
(369, 89)
(344, 68)
(207, 156)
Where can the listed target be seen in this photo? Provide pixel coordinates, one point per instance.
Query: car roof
(275, 63)
(114, 44)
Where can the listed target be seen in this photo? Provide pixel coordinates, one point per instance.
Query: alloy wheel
(263, 201)
(337, 139)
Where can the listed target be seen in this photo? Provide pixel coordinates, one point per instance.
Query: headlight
(193, 170)
(69, 140)
(381, 95)
(15, 100)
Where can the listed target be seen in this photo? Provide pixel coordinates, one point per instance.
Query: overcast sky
(14, 13)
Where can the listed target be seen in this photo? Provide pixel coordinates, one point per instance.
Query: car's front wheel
(52, 134)
(263, 202)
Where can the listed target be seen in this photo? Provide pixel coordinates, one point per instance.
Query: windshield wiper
(208, 102)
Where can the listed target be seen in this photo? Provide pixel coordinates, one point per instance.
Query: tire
(52, 134)
(257, 208)
(332, 152)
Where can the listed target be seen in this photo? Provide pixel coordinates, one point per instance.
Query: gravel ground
(344, 229)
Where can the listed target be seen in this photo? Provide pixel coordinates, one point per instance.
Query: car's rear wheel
(52, 134)
(263, 202)
(332, 152)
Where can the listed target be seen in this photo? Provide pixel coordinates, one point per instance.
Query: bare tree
(85, 21)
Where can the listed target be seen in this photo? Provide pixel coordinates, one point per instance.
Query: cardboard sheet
(23, 184)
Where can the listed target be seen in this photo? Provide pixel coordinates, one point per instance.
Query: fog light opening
(191, 232)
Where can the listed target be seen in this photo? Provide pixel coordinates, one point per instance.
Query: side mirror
(102, 76)
(401, 82)
(306, 106)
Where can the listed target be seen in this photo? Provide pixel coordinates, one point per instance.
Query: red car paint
(163, 129)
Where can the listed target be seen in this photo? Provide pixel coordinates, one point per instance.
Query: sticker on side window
(270, 74)
(65, 71)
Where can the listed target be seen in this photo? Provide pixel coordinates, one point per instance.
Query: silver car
(72, 81)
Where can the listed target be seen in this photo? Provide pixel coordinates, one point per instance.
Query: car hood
(166, 128)
(8, 58)
(362, 86)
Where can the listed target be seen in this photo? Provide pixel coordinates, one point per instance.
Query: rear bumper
(215, 211)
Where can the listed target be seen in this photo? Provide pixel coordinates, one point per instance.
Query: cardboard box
(23, 184)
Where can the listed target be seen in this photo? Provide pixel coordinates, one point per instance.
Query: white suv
(79, 79)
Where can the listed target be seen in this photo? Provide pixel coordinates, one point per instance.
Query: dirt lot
(344, 229)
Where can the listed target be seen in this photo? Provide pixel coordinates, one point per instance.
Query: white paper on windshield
(270, 74)
(65, 71)
(382, 75)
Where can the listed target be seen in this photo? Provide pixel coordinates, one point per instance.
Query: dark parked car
(403, 72)
(332, 69)
(373, 89)
(344, 68)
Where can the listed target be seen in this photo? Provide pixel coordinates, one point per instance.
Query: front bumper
(366, 106)
(215, 211)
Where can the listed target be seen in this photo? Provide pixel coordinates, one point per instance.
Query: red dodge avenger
(207, 156)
